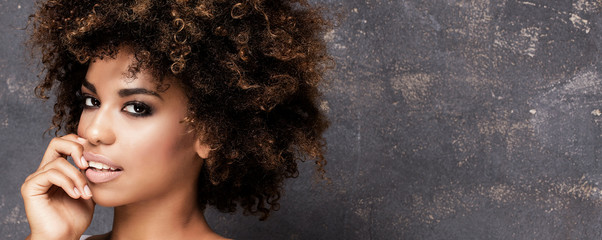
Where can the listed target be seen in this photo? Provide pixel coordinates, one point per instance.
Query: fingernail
(77, 191)
(83, 162)
(81, 140)
(87, 191)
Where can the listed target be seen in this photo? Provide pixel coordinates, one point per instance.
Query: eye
(137, 109)
(91, 102)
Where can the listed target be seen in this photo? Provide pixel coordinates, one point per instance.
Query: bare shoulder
(106, 236)
(100, 237)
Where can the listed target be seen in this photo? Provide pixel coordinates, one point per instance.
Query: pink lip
(96, 176)
(101, 177)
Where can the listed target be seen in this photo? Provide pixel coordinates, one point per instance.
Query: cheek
(157, 143)
(81, 125)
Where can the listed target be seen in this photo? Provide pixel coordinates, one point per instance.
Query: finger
(77, 177)
(82, 163)
(39, 184)
(62, 147)
(75, 138)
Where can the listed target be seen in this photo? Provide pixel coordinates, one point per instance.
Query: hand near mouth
(101, 169)
(57, 198)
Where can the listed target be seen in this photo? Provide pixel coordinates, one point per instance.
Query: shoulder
(94, 237)
(104, 236)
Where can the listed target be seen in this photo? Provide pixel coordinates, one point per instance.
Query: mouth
(100, 168)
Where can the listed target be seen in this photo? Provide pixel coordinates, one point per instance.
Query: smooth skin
(140, 130)
(57, 198)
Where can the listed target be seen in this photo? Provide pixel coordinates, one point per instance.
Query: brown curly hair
(250, 70)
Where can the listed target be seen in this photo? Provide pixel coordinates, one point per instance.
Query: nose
(99, 128)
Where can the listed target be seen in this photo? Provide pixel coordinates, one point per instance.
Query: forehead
(115, 72)
(112, 75)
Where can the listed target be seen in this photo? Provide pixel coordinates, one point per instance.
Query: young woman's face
(137, 133)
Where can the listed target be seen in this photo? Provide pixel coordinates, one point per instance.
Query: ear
(202, 149)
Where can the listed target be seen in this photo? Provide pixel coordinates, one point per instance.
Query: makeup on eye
(133, 108)
(137, 109)
(90, 102)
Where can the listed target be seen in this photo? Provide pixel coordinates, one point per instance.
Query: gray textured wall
(450, 120)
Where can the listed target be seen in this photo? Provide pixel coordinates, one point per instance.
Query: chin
(106, 198)
(106, 202)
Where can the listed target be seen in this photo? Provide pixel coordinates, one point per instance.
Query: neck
(175, 216)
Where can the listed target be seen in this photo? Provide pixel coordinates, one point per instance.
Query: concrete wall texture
(451, 119)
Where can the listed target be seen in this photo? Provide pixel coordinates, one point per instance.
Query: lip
(92, 157)
(95, 176)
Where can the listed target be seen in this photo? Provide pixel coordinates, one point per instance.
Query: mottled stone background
(450, 120)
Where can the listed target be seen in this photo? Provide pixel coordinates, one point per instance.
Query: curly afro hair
(250, 69)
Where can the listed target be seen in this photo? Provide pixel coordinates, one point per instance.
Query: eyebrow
(89, 86)
(123, 92)
(133, 91)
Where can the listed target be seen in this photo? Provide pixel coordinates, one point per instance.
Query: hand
(57, 198)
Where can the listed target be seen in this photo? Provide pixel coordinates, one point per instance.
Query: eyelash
(144, 109)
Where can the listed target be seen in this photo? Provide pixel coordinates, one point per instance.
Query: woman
(171, 106)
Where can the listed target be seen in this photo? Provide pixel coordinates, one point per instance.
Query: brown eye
(91, 102)
(137, 109)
